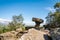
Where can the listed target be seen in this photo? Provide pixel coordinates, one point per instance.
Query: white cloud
(50, 9)
(4, 20)
(29, 23)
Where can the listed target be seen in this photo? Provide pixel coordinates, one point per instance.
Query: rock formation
(34, 34)
(37, 21)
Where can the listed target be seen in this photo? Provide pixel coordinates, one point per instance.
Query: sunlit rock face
(33, 34)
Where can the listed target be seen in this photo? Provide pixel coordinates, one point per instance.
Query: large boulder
(8, 36)
(34, 34)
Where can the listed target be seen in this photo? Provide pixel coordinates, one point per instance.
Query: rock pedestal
(37, 22)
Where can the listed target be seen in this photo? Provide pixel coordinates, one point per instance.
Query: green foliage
(18, 19)
(53, 19)
(17, 22)
(57, 5)
(3, 29)
(11, 26)
(49, 18)
(23, 28)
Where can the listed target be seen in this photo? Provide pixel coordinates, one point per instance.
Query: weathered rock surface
(31, 34)
(34, 34)
(12, 35)
(9, 35)
(55, 34)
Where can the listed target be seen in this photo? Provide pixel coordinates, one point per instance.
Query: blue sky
(28, 8)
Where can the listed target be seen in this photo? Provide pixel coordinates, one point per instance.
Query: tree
(17, 22)
(53, 19)
(57, 5)
(49, 18)
(18, 19)
(11, 26)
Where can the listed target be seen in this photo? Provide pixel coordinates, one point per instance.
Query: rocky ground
(31, 34)
(34, 34)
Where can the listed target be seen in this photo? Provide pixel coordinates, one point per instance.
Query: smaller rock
(19, 30)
